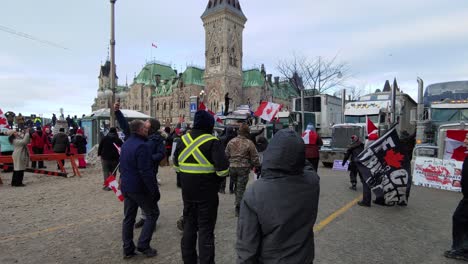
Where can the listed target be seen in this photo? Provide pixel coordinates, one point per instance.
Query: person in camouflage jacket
(242, 156)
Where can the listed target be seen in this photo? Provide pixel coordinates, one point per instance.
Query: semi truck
(441, 107)
(381, 109)
(322, 110)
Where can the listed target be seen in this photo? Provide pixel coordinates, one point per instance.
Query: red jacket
(39, 141)
(312, 150)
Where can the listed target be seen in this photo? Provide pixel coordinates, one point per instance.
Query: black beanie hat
(203, 120)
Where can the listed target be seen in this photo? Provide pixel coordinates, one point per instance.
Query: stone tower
(224, 22)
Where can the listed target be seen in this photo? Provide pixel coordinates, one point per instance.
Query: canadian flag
(454, 147)
(216, 118)
(3, 120)
(267, 110)
(154, 45)
(309, 137)
(112, 183)
(371, 128)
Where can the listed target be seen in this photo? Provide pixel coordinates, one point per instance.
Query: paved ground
(59, 220)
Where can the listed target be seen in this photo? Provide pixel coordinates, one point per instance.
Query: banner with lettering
(386, 168)
(438, 173)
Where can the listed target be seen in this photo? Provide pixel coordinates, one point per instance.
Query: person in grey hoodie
(279, 210)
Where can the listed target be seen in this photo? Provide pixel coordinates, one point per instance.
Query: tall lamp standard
(112, 62)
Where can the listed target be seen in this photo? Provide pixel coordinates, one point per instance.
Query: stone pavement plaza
(71, 220)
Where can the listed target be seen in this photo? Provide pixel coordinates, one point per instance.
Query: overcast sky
(379, 40)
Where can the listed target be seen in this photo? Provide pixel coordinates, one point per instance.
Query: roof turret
(215, 6)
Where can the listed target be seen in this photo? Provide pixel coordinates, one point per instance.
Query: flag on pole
(267, 110)
(310, 137)
(385, 168)
(154, 45)
(454, 147)
(371, 128)
(3, 120)
(203, 107)
(112, 183)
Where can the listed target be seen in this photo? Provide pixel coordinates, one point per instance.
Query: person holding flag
(140, 189)
(459, 248)
(313, 142)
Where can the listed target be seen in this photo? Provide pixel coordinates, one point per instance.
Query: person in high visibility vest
(202, 164)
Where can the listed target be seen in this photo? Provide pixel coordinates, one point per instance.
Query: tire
(327, 164)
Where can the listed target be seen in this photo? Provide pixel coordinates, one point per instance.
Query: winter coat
(136, 168)
(353, 151)
(123, 124)
(229, 134)
(5, 145)
(158, 152)
(242, 153)
(312, 150)
(80, 143)
(202, 186)
(21, 153)
(39, 140)
(60, 143)
(279, 210)
(107, 150)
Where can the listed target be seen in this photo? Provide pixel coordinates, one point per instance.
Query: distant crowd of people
(41, 140)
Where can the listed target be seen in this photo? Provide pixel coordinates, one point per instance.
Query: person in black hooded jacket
(109, 153)
(200, 186)
(272, 227)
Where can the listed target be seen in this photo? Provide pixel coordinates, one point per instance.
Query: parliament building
(160, 91)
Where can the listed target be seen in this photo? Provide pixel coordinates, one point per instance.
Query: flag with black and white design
(385, 167)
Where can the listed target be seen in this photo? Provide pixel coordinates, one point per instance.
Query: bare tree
(318, 73)
(355, 92)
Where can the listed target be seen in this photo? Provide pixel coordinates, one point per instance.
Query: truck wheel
(327, 164)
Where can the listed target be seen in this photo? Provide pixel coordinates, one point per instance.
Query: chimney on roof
(269, 78)
(276, 80)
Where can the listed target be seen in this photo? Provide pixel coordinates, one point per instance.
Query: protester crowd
(269, 227)
(26, 136)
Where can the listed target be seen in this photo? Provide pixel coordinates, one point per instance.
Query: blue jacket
(158, 151)
(136, 168)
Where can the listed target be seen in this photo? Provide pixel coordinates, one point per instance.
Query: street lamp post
(112, 62)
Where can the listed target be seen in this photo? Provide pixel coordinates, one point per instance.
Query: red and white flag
(3, 120)
(112, 183)
(454, 147)
(371, 128)
(267, 110)
(309, 137)
(117, 147)
(154, 45)
(216, 118)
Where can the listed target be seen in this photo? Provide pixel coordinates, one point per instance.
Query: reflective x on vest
(202, 164)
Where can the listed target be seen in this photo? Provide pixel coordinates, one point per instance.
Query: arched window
(164, 106)
(157, 106)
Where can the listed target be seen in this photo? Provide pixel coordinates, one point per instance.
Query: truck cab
(378, 108)
(443, 107)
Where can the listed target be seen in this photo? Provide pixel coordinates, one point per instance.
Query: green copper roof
(284, 90)
(194, 76)
(253, 78)
(119, 89)
(147, 74)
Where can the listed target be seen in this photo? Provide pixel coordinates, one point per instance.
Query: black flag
(385, 167)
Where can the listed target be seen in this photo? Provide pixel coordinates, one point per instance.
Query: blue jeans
(131, 203)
